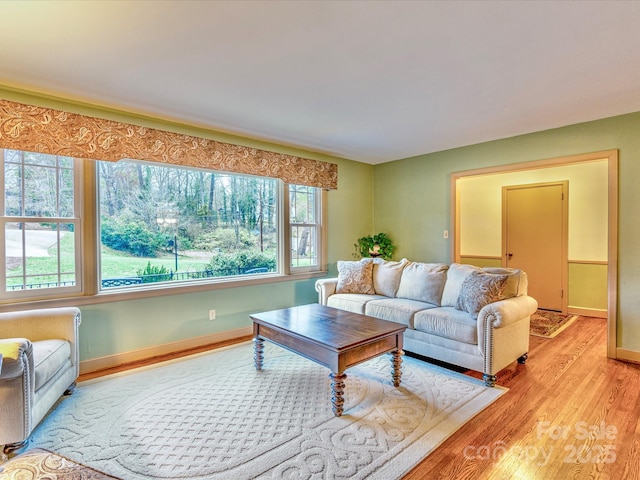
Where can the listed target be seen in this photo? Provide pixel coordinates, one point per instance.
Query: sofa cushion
(386, 276)
(449, 323)
(351, 302)
(48, 357)
(456, 275)
(480, 289)
(423, 282)
(400, 310)
(355, 277)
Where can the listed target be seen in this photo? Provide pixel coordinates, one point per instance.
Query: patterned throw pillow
(355, 277)
(480, 289)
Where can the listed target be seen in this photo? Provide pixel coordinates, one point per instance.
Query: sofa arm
(325, 288)
(508, 311)
(17, 358)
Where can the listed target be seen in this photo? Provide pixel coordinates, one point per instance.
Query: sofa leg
(70, 389)
(489, 380)
(12, 447)
(522, 360)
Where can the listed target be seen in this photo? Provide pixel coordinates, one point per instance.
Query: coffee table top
(311, 322)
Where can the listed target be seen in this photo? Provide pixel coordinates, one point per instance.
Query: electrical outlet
(445, 234)
(212, 314)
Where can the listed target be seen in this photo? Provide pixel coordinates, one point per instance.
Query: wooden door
(535, 239)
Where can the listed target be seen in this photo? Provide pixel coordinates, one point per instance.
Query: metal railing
(152, 278)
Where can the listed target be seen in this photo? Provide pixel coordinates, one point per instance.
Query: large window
(157, 226)
(305, 215)
(167, 224)
(39, 224)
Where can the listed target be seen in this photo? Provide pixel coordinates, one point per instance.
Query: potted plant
(378, 245)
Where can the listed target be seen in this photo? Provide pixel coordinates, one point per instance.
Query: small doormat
(548, 324)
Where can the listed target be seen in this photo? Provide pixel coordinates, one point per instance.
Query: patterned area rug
(42, 464)
(213, 416)
(548, 324)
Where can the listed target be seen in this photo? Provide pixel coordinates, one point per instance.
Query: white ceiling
(372, 81)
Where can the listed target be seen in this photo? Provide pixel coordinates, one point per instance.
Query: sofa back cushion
(355, 277)
(423, 282)
(386, 276)
(456, 275)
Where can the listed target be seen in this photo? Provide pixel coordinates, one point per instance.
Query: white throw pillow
(355, 277)
(386, 276)
(423, 282)
(456, 275)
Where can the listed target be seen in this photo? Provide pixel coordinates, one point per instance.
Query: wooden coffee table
(331, 337)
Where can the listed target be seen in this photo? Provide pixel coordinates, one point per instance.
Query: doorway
(530, 168)
(534, 226)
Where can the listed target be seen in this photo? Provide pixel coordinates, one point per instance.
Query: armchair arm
(505, 312)
(17, 357)
(325, 288)
(44, 324)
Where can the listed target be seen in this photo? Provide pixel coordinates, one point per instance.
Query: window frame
(319, 237)
(87, 289)
(76, 220)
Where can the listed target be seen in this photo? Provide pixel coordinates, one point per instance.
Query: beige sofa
(459, 314)
(39, 364)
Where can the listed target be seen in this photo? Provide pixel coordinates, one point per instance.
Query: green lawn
(114, 264)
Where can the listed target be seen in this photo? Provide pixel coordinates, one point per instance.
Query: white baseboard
(587, 312)
(116, 359)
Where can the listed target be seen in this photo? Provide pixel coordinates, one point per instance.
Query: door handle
(509, 255)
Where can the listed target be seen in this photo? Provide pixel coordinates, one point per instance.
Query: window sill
(123, 294)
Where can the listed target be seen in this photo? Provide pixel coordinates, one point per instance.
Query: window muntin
(162, 224)
(40, 247)
(305, 223)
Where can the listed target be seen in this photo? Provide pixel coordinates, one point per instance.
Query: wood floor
(570, 413)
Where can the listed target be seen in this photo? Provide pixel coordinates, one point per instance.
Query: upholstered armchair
(39, 364)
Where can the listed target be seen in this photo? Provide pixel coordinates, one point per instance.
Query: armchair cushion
(49, 356)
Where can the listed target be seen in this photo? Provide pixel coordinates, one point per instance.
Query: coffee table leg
(258, 352)
(396, 366)
(337, 392)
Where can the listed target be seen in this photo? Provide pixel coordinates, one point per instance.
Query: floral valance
(44, 130)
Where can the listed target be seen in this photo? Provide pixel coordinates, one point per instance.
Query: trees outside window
(163, 223)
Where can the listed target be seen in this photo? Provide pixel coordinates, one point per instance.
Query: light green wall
(587, 286)
(117, 327)
(408, 199)
(419, 187)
